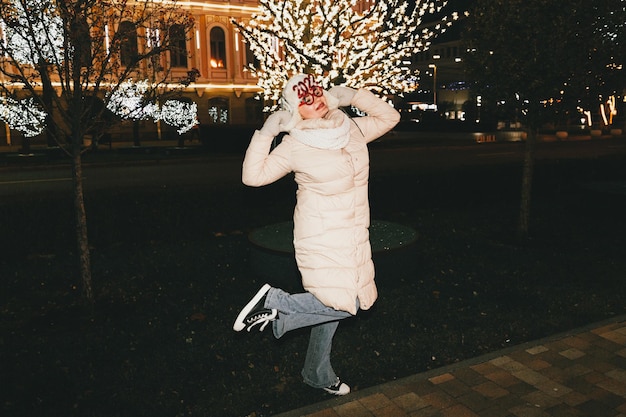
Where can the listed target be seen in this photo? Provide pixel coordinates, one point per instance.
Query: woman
(327, 152)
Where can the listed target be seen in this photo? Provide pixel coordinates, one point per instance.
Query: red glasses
(307, 90)
(309, 98)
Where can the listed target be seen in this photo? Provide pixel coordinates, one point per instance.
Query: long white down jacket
(332, 215)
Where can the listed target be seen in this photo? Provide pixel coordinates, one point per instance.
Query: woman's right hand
(274, 123)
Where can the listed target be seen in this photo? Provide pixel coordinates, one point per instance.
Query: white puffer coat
(332, 215)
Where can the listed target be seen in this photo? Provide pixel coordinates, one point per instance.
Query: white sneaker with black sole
(339, 388)
(254, 313)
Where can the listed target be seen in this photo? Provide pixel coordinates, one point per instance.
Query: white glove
(274, 123)
(343, 94)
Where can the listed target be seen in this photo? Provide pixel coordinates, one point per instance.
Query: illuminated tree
(66, 55)
(599, 82)
(136, 101)
(352, 42)
(130, 101)
(24, 116)
(179, 114)
(526, 55)
(133, 101)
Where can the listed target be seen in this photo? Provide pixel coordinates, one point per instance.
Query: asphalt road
(392, 156)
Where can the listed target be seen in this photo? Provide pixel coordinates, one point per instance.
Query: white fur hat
(296, 87)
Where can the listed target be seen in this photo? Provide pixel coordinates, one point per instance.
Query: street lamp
(434, 67)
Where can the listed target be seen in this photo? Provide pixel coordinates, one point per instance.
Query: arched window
(218, 48)
(218, 110)
(178, 46)
(127, 34)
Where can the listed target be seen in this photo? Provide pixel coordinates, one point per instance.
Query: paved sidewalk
(579, 373)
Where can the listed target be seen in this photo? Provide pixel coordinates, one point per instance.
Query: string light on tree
(35, 34)
(179, 114)
(130, 102)
(351, 42)
(66, 56)
(24, 116)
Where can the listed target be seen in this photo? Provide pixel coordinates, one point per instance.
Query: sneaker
(255, 313)
(339, 388)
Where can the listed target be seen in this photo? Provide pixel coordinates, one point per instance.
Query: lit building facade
(212, 53)
(224, 90)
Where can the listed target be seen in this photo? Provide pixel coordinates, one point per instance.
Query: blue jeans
(304, 310)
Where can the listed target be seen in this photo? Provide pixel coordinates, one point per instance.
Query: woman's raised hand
(274, 123)
(343, 94)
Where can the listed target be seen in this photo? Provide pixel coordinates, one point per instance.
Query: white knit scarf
(331, 132)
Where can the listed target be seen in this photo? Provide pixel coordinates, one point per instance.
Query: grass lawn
(171, 270)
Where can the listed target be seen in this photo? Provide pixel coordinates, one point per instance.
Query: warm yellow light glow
(612, 108)
(209, 86)
(206, 6)
(197, 39)
(177, 86)
(106, 38)
(217, 63)
(607, 116)
(587, 114)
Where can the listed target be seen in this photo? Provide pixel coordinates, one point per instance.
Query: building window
(218, 110)
(218, 48)
(251, 59)
(178, 51)
(254, 110)
(127, 34)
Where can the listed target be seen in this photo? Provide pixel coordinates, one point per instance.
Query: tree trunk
(25, 145)
(82, 240)
(47, 98)
(527, 179)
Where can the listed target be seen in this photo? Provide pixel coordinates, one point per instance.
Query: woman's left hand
(343, 94)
